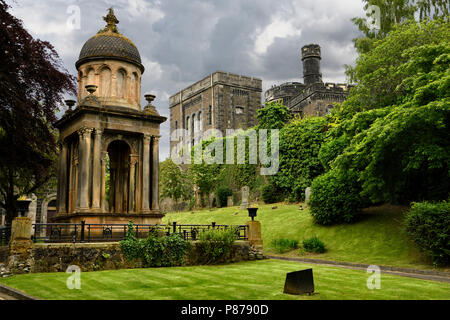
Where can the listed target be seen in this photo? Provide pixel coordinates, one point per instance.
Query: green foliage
(202, 173)
(394, 13)
(393, 128)
(379, 72)
(270, 194)
(272, 116)
(216, 245)
(284, 245)
(155, 251)
(165, 251)
(173, 182)
(335, 197)
(331, 149)
(222, 194)
(314, 244)
(428, 225)
(300, 142)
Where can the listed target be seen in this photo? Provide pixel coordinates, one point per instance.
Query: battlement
(218, 77)
(311, 50)
(287, 89)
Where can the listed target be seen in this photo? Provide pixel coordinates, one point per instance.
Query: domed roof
(109, 43)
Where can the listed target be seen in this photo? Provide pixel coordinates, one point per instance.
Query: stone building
(219, 101)
(313, 97)
(109, 146)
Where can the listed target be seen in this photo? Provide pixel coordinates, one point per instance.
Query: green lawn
(255, 280)
(377, 238)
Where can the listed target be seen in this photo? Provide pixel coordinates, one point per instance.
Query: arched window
(105, 82)
(210, 115)
(121, 83)
(193, 124)
(187, 126)
(134, 90)
(200, 122)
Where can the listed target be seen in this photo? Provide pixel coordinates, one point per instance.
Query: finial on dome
(111, 22)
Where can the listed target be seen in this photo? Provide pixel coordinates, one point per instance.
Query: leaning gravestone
(244, 202)
(307, 194)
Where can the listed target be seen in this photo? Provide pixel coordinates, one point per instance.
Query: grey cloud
(196, 38)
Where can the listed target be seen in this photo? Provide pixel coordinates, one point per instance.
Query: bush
(284, 245)
(155, 251)
(428, 224)
(216, 245)
(270, 194)
(314, 244)
(335, 197)
(222, 195)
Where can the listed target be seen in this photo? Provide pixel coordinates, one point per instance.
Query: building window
(239, 110)
(210, 115)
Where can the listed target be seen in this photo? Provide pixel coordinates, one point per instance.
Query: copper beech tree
(33, 83)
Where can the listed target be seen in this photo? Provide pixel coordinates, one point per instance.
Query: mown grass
(255, 280)
(376, 238)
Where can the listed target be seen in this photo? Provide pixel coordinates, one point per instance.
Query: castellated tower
(311, 64)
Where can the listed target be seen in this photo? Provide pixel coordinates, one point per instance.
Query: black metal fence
(92, 232)
(5, 234)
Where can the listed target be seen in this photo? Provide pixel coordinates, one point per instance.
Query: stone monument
(230, 201)
(108, 138)
(244, 201)
(307, 194)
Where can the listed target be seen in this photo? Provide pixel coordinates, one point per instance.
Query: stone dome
(109, 43)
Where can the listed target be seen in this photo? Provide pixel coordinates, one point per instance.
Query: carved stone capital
(147, 138)
(84, 132)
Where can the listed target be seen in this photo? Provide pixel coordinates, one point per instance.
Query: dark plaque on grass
(299, 282)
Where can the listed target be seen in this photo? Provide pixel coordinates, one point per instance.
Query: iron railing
(5, 234)
(96, 232)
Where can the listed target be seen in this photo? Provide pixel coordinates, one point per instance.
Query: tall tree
(174, 183)
(391, 14)
(33, 83)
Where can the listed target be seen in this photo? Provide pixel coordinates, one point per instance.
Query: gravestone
(307, 194)
(230, 201)
(244, 201)
(299, 282)
(212, 198)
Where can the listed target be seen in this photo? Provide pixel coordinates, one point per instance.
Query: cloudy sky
(182, 41)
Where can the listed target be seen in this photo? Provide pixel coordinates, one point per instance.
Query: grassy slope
(376, 239)
(247, 280)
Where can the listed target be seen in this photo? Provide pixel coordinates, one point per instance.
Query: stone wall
(108, 256)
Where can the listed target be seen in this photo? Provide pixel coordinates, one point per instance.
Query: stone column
(155, 173)
(132, 189)
(97, 171)
(103, 181)
(62, 178)
(146, 175)
(83, 172)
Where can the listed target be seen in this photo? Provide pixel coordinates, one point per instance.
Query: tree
(273, 116)
(300, 142)
(173, 182)
(392, 14)
(378, 74)
(32, 86)
(400, 146)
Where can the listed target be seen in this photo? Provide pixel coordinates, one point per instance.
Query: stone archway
(45, 218)
(119, 177)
